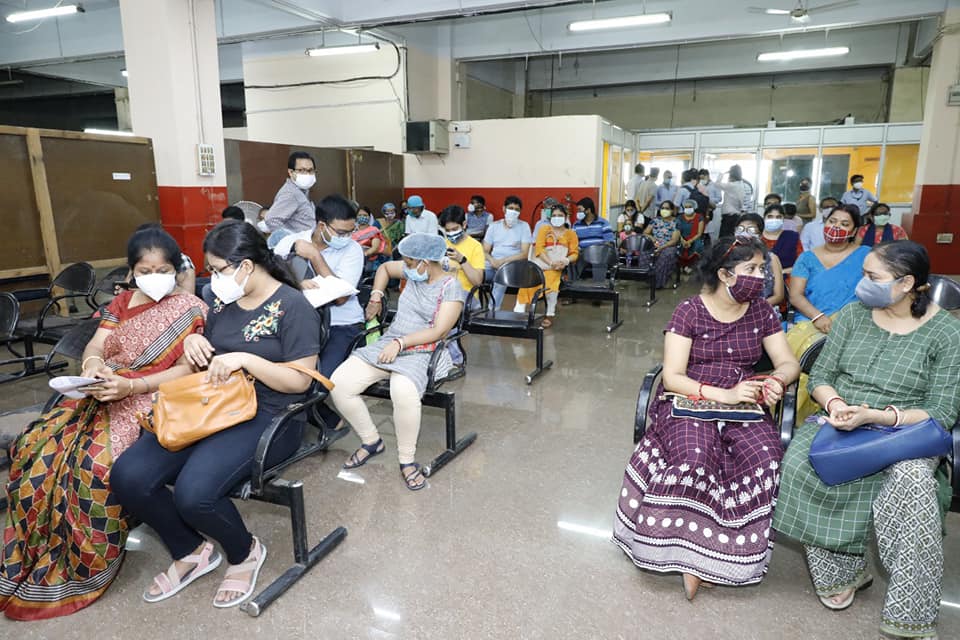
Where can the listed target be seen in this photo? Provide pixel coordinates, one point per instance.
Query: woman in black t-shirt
(259, 319)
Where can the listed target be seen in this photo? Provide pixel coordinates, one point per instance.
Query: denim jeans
(499, 290)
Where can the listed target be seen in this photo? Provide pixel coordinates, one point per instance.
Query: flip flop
(259, 554)
(171, 584)
(374, 449)
(864, 582)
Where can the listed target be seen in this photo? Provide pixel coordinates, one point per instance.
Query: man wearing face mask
(811, 236)
(478, 218)
(647, 195)
(506, 240)
(806, 203)
(292, 210)
(667, 190)
(858, 195)
(419, 218)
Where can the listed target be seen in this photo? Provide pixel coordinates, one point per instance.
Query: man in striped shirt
(589, 227)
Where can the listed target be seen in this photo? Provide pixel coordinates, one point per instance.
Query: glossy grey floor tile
(510, 540)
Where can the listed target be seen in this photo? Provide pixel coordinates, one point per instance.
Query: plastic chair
(945, 292)
(521, 274)
(602, 259)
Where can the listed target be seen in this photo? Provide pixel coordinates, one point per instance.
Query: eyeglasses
(746, 230)
(346, 233)
(219, 271)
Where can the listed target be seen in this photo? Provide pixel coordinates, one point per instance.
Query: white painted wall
(542, 152)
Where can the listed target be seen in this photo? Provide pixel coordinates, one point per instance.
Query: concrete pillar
(520, 89)
(174, 85)
(121, 98)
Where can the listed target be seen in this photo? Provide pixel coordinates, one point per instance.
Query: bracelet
(817, 317)
(896, 414)
(83, 365)
(130, 382)
(146, 385)
(830, 401)
(400, 342)
(700, 391)
(379, 291)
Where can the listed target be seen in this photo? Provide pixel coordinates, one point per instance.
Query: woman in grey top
(429, 307)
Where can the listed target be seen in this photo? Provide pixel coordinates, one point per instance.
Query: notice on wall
(121, 176)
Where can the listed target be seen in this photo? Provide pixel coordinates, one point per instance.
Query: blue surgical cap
(423, 246)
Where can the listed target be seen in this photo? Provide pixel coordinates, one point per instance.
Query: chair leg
(454, 447)
(616, 313)
(541, 365)
(290, 494)
(652, 279)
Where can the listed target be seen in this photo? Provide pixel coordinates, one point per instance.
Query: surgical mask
(363, 220)
(455, 236)
(688, 211)
(411, 274)
(631, 212)
(666, 213)
(804, 187)
(415, 214)
(157, 285)
(858, 185)
(511, 216)
(628, 227)
(826, 213)
(262, 226)
(305, 180)
(704, 181)
(545, 214)
(334, 241)
(667, 181)
(557, 221)
(836, 235)
(746, 288)
(581, 215)
(881, 219)
(773, 224)
(878, 295)
(226, 287)
(471, 208)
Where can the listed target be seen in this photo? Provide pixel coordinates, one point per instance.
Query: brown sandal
(546, 323)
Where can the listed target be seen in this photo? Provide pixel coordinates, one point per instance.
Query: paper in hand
(328, 289)
(69, 385)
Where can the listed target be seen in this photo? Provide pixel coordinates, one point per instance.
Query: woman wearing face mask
(375, 247)
(666, 237)
(45, 572)
(628, 216)
(690, 224)
(427, 310)
(891, 359)
(879, 228)
(698, 498)
(392, 225)
(555, 247)
(749, 227)
(785, 244)
(259, 319)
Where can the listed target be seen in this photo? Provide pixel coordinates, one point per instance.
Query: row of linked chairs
(944, 292)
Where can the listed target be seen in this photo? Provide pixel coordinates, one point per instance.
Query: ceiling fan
(801, 13)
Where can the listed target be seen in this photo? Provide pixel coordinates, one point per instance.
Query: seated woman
(691, 226)
(749, 227)
(784, 243)
(666, 236)
(259, 319)
(61, 549)
(877, 227)
(893, 359)
(371, 240)
(555, 247)
(428, 308)
(628, 216)
(698, 495)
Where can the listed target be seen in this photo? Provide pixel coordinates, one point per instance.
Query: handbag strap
(313, 373)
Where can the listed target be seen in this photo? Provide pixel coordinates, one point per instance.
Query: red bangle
(700, 391)
(896, 414)
(830, 401)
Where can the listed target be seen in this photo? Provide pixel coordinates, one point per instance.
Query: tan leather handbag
(189, 409)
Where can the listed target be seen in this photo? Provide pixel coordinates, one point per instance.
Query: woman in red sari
(65, 531)
(371, 239)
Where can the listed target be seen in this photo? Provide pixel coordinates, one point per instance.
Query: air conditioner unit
(428, 136)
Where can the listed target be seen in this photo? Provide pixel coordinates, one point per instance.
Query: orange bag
(189, 409)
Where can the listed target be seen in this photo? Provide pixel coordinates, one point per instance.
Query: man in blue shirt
(478, 218)
(858, 195)
(667, 190)
(505, 241)
(589, 227)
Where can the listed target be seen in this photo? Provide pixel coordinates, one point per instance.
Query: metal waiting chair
(602, 259)
(104, 291)
(644, 268)
(9, 317)
(521, 274)
(77, 283)
(945, 292)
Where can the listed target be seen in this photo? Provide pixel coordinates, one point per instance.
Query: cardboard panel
(21, 245)
(377, 178)
(262, 168)
(100, 191)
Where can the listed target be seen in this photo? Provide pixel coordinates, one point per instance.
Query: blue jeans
(334, 353)
(499, 290)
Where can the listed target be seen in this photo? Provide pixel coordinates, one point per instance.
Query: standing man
(292, 211)
(633, 185)
(420, 219)
(858, 195)
(732, 207)
(667, 190)
(690, 190)
(806, 203)
(478, 218)
(647, 195)
(506, 241)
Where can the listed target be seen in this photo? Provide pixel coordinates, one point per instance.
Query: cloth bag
(189, 409)
(842, 456)
(709, 410)
(556, 253)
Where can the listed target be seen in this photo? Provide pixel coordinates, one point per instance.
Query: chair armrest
(482, 292)
(788, 413)
(258, 466)
(955, 478)
(435, 356)
(361, 339)
(643, 402)
(53, 301)
(539, 294)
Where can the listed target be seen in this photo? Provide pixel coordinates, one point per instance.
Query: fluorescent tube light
(801, 54)
(339, 51)
(108, 132)
(777, 12)
(124, 73)
(642, 20)
(39, 14)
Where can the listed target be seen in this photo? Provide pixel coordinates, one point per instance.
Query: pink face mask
(746, 288)
(836, 235)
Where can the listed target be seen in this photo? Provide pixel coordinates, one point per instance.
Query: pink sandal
(170, 583)
(253, 563)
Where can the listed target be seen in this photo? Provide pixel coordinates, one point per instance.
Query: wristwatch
(462, 259)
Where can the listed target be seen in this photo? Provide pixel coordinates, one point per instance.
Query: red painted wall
(188, 213)
(436, 198)
(936, 210)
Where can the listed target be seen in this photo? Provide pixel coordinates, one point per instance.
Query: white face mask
(704, 181)
(858, 185)
(688, 210)
(305, 180)
(511, 216)
(262, 226)
(226, 288)
(556, 221)
(157, 285)
(471, 208)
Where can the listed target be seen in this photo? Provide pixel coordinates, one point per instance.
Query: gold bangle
(83, 365)
(130, 382)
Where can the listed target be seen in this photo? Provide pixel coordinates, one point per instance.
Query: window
(781, 171)
(839, 163)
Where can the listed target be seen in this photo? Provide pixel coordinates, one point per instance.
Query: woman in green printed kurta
(896, 348)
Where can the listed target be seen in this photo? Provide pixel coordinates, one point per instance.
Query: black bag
(703, 202)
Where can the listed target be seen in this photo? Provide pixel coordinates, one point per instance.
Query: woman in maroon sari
(65, 531)
(698, 494)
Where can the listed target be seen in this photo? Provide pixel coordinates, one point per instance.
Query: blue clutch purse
(843, 456)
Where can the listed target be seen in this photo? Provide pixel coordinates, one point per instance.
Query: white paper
(118, 175)
(328, 289)
(68, 385)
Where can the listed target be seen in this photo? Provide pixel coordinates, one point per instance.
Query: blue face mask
(411, 274)
(878, 295)
(335, 242)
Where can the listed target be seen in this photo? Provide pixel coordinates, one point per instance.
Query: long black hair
(909, 258)
(149, 237)
(236, 241)
(726, 253)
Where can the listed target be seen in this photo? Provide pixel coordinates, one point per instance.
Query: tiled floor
(509, 541)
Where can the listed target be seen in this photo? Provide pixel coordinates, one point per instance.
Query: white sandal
(171, 583)
(864, 582)
(253, 563)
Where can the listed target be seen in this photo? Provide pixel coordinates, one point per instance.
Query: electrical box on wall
(953, 96)
(461, 141)
(205, 160)
(428, 136)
